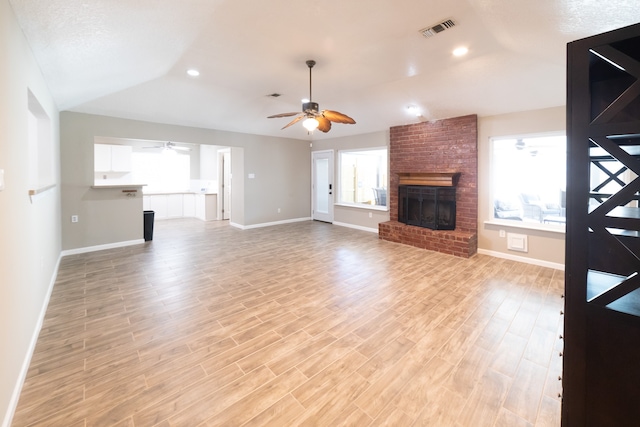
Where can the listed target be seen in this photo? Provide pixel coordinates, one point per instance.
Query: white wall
(545, 247)
(29, 227)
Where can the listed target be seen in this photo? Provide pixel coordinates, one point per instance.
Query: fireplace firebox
(427, 206)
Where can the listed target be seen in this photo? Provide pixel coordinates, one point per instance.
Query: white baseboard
(357, 227)
(102, 247)
(268, 224)
(13, 403)
(288, 221)
(541, 263)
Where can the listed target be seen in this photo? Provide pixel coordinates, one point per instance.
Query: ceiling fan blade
(337, 117)
(296, 120)
(283, 115)
(324, 125)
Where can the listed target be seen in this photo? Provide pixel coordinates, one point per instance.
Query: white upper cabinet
(112, 158)
(101, 157)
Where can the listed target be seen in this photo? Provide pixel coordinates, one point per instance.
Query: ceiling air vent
(438, 28)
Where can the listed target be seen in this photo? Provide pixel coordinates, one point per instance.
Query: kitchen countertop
(118, 185)
(164, 193)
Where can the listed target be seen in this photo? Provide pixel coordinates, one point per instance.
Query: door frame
(329, 154)
(224, 168)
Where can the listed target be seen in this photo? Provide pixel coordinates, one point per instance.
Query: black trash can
(148, 225)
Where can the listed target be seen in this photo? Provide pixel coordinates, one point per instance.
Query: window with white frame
(363, 177)
(528, 179)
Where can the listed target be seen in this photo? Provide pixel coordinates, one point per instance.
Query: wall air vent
(438, 28)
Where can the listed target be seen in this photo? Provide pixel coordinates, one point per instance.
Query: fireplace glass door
(427, 206)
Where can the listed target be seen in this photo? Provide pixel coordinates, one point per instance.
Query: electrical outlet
(502, 233)
(74, 218)
(370, 214)
(278, 210)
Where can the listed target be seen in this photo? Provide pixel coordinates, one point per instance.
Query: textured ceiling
(128, 58)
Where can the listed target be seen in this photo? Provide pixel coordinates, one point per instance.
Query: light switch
(1, 179)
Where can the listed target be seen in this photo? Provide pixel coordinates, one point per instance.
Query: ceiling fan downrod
(310, 106)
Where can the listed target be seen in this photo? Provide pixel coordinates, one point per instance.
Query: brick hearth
(442, 146)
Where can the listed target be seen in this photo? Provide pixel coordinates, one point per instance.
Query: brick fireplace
(446, 146)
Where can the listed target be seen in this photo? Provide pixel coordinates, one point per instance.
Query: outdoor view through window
(529, 179)
(363, 177)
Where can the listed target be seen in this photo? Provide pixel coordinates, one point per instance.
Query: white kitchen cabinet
(112, 158)
(158, 204)
(174, 206)
(101, 157)
(206, 207)
(200, 211)
(189, 205)
(182, 205)
(211, 207)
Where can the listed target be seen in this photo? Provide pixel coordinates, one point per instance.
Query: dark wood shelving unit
(601, 366)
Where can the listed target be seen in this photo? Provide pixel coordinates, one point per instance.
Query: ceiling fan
(170, 146)
(315, 119)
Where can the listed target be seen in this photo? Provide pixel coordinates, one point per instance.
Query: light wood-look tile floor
(300, 324)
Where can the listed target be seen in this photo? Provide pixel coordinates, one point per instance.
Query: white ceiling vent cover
(438, 28)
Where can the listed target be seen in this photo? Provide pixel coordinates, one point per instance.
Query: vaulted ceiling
(128, 58)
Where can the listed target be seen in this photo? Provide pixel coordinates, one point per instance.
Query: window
(167, 171)
(529, 179)
(363, 177)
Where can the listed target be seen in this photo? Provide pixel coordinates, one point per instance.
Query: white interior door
(322, 185)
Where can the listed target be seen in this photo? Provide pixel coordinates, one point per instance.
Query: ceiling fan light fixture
(311, 124)
(313, 117)
(310, 107)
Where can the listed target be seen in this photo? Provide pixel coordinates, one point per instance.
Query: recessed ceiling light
(193, 72)
(413, 110)
(460, 51)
